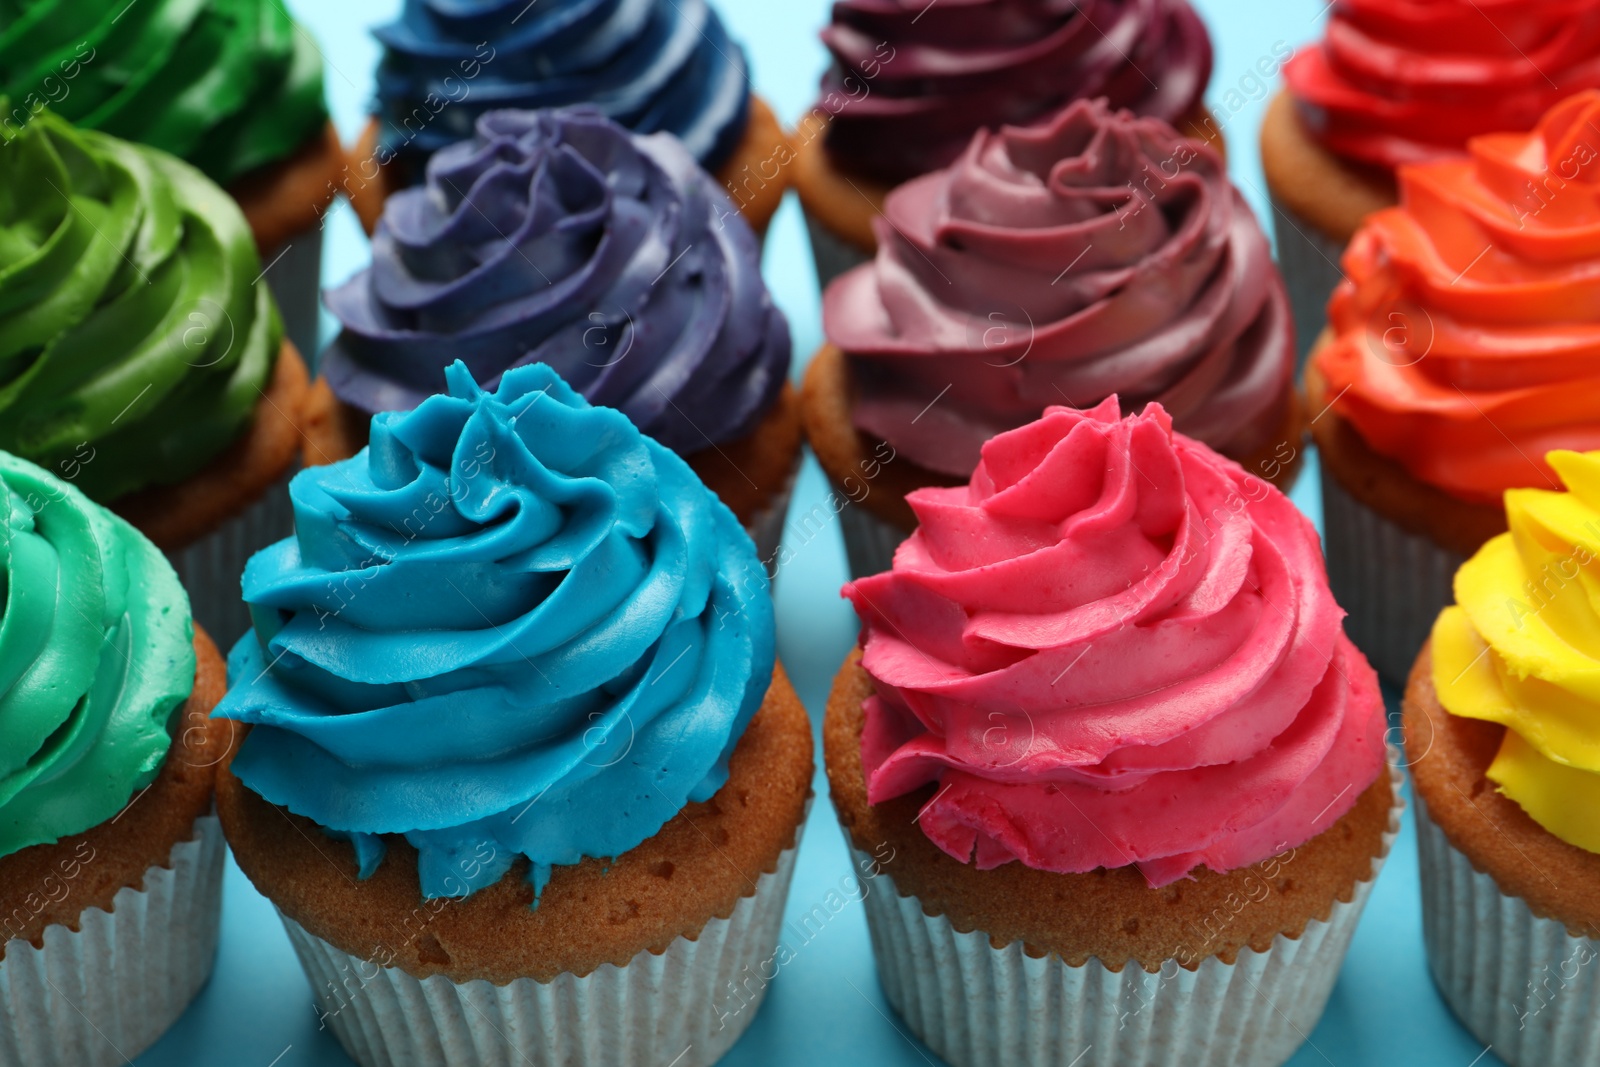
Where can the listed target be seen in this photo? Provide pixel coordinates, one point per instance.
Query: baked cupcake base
(1318, 202)
(110, 933)
(1509, 912)
(1393, 543)
(285, 205)
(840, 206)
(1015, 965)
(211, 523)
(870, 482)
(754, 176)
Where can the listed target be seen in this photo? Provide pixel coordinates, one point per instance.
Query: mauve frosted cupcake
(1502, 722)
(1099, 253)
(1120, 767)
(559, 237)
(523, 777)
(911, 83)
(655, 66)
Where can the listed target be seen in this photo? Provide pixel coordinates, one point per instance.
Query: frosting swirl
(1099, 253)
(501, 630)
(228, 85)
(1519, 648)
(1113, 647)
(651, 65)
(1464, 342)
(920, 79)
(96, 653)
(1408, 82)
(133, 340)
(558, 237)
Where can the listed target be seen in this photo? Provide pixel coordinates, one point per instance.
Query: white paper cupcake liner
(685, 1007)
(1520, 983)
(104, 993)
(833, 255)
(294, 274)
(869, 542)
(976, 1004)
(211, 567)
(1392, 583)
(766, 527)
(1309, 261)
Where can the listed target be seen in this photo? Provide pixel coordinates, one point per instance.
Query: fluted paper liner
(104, 993)
(211, 567)
(869, 542)
(976, 1004)
(685, 1007)
(1392, 583)
(832, 255)
(294, 274)
(1520, 983)
(766, 526)
(1309, 262)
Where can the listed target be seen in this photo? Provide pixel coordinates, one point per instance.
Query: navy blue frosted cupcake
(664, 66)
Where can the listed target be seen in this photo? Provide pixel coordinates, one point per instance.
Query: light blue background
(826, 1007)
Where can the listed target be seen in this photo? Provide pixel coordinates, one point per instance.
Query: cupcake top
(228, 85)
(1465, 333)
(1519, 648)
(1097, 253)
(652, 65)
(1113, 647)
(917, 80)
(134, 342)
(96, 653)
(513, 626)
(559, 237)
(1407, 81)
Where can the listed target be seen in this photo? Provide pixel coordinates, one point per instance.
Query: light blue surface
(826, 1007)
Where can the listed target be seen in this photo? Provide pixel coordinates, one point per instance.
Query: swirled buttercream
(1099, 253)
(912, 82)
(96, 653)
(228, 85)
(133, 341)
(1521, 644)
(1113, 647)
(512, 626)
(558, 237)
(1466, 332)
(652, 65)
(1408, 82)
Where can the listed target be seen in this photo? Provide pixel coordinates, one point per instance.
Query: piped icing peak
(559, 237)
(652, 65)
(513, 626)
(96, 653)
(1113, 647)
(1098, 253)
(1521, 647)
(920, 79)
(1465, 333)
(1407, 82)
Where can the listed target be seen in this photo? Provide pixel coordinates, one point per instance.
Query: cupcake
(1461, 349)
(559, 237)
(1500, 721)
(233, 88)
(1096, 254)
(110, 858)
(1122, 771)
(143, 362)
(523, 777)
(911, 83)
(1393, 84)
(655, 66)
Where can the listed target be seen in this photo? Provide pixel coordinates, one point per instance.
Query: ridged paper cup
(1392, 583)
(869, 542)
(766, 526)
(211, 567)
(1309, 262)
(103, 993)
(294, 274)
(1519, 982)
(684, 1007)
(974, 1004)
(832, 254)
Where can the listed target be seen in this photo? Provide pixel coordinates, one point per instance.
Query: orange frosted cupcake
(1462, 349)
